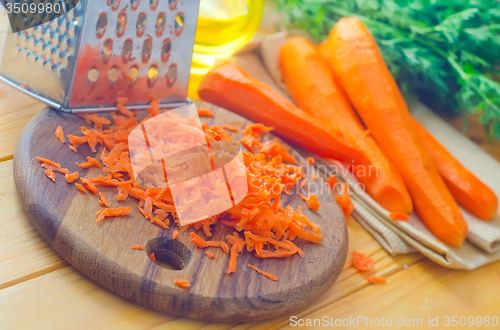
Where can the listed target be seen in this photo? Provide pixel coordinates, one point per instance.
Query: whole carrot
(232, 88)
(468, 190)
(310, 81)
(375, 95)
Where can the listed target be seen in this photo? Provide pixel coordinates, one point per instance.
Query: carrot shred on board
(270, 276)
(152, 257)
(376, 280)
(345, 201)
(60, 134)
(332, 181)
(89, 185)
(89, 163)
(230, 128)
(80, 187)
(71, 177)
(361, 262)
(50, 174)
(200, 243)
(103, 200)
(175, 234)
(109, 212)
(137, 247)
(399, 216)
(202, 112)
(237, 245)
(312, 202)
(47, 161)
(209, 254)
(72, 148)
(182, 283)
(55, 169)
(310, 160)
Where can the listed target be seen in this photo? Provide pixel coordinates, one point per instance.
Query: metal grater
(101, 49)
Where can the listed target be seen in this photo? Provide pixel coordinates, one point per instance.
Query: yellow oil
(224, 27)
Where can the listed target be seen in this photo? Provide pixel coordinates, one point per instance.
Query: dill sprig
(447, 52)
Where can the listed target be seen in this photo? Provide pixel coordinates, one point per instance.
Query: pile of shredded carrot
(260, 223)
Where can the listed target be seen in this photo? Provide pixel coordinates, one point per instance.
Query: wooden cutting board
(102, 251)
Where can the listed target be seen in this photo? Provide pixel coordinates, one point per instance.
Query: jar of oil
(224, 26)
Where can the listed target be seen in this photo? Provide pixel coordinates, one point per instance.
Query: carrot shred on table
(200, 243)
(399, 216)
(50, 174)
(89, 185)
(182, 283)
(175, 234)
(209, 254)
(71, 177)
(376, 280)
(137, 247)
(310, 160)
(237, 245)
(89, 163)
(97, 120)
(268, 275)
(152, 257)
(361, 262)
(332, 181)
(47, 161)
(60, 134)
(312, 202)
(72, 148)
(202, 112)
(80, 187)
(103, 200)
(55, 169)
(345, 202)
(230, 128)
(112, 212)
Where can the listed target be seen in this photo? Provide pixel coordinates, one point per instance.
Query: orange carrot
(237, 245)
(80, 187)
(182, 283)
(399, 216)
(109, 212)
(312, 202)
(311, 83)
(332, 181)
(89, 185)
(55, 169)
(175, 234)
(230, 128)
(202, 112)
(200, 243)
(152, 257)
(345, 202)
(260, 103)
(47, 161)
(50, 174)
(91, 162)
(137, 247)
(361, 262)
(376, 280)
(310, 160)
(103, 200)
(270, 276)
(60, 134)
(209, 254)
(72, 176)
(72, 148)
(377, 99)
(468, 190)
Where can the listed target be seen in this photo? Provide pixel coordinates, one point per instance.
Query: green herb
(447, 52)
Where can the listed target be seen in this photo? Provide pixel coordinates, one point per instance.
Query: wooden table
(38, 289)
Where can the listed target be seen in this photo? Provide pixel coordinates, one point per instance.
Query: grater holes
(179, 24)
(141, 24)
(153, 4)
(160, 24)
(134, 4)
(152, 75)
(107, 48)
(121, 24)
(114, 4)
(172, 4)
(147, 48)
(166, 49)
(102, 23)
(92, 75)
(171, 75)
(113, 74)
(131, 75)
(127, 50)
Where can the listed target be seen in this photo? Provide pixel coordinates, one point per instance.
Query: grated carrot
(152, 257)
(312, 202)
(55, 169)
(103, 200)
(200, 243)
(376, 280)
(137, 247)
(175, 234)
(310, 160)
(332, 181)
(89, 185)
(60, 134)
(399, 216)
(109, 212)
(80, 187)
(361, 262)
(181, 283)
(230, 128)
(50, 174)
(71, 177)
(270, 276)
(209, 254)
(345, 202)
(202, 112)
(237, 245)
(89, 163)
(47, 161)
(72, 148)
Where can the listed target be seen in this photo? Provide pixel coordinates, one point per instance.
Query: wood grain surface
(66, 219)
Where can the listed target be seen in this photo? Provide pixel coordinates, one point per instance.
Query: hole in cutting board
(169, 253)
